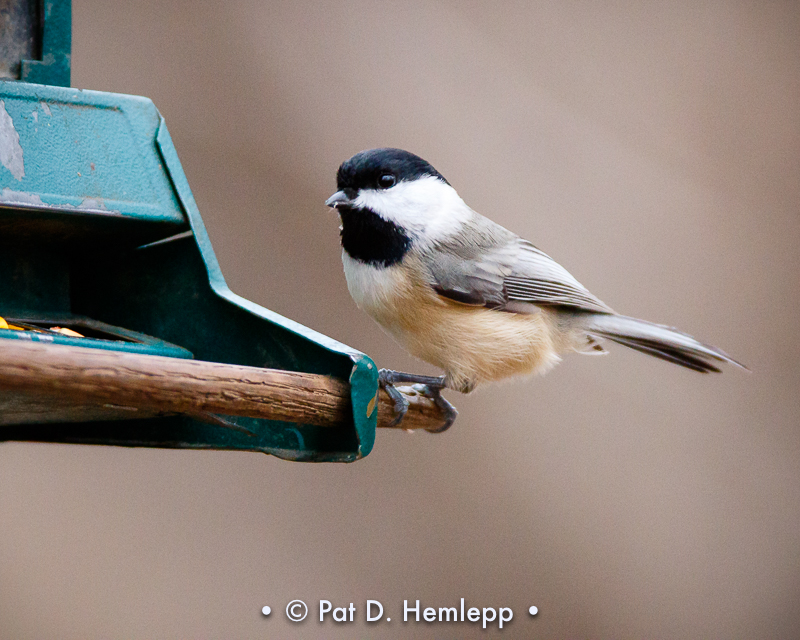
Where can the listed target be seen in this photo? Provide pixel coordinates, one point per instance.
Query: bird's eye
(386, 180)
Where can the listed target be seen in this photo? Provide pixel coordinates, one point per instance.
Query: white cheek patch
(427, 207)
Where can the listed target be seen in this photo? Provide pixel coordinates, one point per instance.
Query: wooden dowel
(173, 385)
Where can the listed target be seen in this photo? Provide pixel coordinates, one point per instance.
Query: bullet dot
(266, 610)
(533, 611)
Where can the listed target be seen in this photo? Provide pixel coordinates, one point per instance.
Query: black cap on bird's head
(378, 169)
(379, 222)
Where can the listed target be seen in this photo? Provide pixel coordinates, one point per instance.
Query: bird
(467, 295)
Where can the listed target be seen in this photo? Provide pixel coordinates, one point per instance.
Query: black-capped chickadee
(465, 294)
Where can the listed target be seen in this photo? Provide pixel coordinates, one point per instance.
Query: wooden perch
(153, 385)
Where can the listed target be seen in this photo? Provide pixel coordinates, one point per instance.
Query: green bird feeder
(100, 235)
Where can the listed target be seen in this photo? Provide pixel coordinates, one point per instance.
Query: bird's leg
(386, 380)
(428, 386)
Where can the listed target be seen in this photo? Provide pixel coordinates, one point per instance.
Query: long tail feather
(658, 340)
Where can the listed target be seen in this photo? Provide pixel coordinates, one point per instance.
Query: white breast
(375, 290)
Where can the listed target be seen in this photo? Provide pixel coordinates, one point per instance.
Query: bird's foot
(428, 386)
(435, 394)
(386, 380)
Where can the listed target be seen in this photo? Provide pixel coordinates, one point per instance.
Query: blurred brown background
(653, 150)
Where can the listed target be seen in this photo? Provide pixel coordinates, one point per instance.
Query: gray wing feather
(538, 279)
(487, 265)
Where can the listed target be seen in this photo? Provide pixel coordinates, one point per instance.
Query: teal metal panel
(97, 220)
(82, 152)
(54, 67)
(363, 375)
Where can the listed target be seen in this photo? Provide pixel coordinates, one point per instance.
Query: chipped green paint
(84, 150)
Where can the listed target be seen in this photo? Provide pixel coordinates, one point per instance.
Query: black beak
(340, 199)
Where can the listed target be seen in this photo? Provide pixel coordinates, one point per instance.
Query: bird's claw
(400, 401)
(435, 394)
(427, 386)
